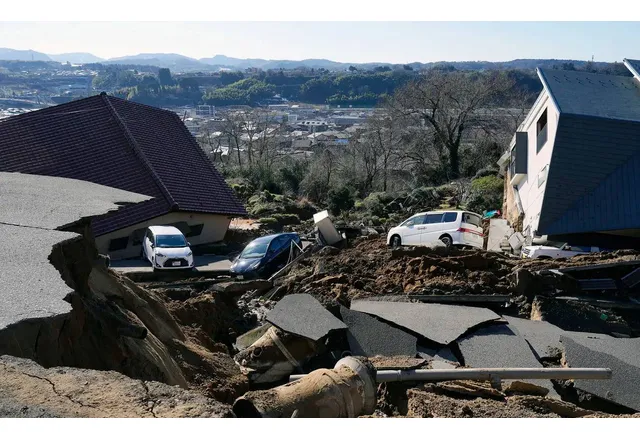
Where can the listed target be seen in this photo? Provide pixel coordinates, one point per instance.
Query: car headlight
(255, 265)
(189, 254)
(160, 254)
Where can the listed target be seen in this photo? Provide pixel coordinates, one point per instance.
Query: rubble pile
(369, 268)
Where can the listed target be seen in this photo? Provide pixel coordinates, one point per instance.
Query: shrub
(340, 200)
(486, 194)
(286, 219)
(376, 203)
(268, 221)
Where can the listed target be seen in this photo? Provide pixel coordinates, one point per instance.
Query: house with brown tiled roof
(128, 146)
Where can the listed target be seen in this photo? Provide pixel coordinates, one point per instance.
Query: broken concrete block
(399, 362)
(249, 338)
(303, 315)
(516, 240)
(275, 355)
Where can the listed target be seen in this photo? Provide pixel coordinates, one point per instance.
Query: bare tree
(450, 103)
(232, 129)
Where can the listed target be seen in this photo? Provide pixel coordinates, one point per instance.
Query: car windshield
(170, 241)
(255, 250)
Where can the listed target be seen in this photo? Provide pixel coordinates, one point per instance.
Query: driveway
(205, 263)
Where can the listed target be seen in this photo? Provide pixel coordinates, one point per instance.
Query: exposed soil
(29, 390)
(369, 268)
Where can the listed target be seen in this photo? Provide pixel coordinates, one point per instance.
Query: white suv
(453, 227)
(166, 248)
(558, 251)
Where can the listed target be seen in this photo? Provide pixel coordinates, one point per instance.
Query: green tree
(340, 200)
(164, 77)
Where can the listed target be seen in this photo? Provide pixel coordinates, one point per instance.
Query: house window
(195, 230)
(118, 244)
(541, 130)
(542, 176)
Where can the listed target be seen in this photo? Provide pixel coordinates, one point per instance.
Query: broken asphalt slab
(367, 336)
(30, 287)
(53, 202)
(544, 338)
(34, 210)
(499, 346)
(303, 315)
(621, 355)
(439, 323)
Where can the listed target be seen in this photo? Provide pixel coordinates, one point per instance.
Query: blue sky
(397, 42)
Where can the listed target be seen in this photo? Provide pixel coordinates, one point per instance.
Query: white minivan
(166, 248)
(452, 227)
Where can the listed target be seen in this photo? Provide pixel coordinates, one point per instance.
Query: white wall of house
(215, 227)
(530, 190)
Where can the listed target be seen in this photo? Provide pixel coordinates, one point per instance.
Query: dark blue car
(266, 255)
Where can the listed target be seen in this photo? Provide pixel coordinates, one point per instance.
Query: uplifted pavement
(35, 211)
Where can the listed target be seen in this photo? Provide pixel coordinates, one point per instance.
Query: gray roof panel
(592, 94)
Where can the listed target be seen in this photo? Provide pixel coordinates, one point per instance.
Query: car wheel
(396, 242)
(446, 240)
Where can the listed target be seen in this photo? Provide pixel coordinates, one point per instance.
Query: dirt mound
(368, 268)
(470, 399)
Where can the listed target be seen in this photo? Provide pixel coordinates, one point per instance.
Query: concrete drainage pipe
(346, 391)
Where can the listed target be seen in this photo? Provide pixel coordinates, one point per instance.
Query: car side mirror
(188, 244)
(153, 246)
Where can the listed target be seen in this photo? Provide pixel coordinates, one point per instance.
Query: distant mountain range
(179, 62)
(76, 58)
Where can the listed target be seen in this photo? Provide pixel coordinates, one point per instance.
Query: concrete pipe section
(346, 391)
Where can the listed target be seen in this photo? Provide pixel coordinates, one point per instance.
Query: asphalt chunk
(499, 346)
(544, 338)
(303, 315)
(439, 323)
(367, 336)
(620, 355)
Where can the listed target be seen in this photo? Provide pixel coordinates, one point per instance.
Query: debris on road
(499, 346)
(367, 336)
(620, 355)
(303, 315)
(439, 323)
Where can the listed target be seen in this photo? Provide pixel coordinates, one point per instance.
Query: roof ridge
(139, 153)
(210, 165)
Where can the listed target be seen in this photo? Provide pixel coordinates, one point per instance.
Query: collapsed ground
(216, 313)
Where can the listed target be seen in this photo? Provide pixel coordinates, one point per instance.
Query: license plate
(240, 277)
(176, 263)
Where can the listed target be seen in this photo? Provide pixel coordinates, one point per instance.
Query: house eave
(548, 90)
(631, 68)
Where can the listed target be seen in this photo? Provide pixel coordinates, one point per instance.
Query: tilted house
(128, 146)
(573, 169)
